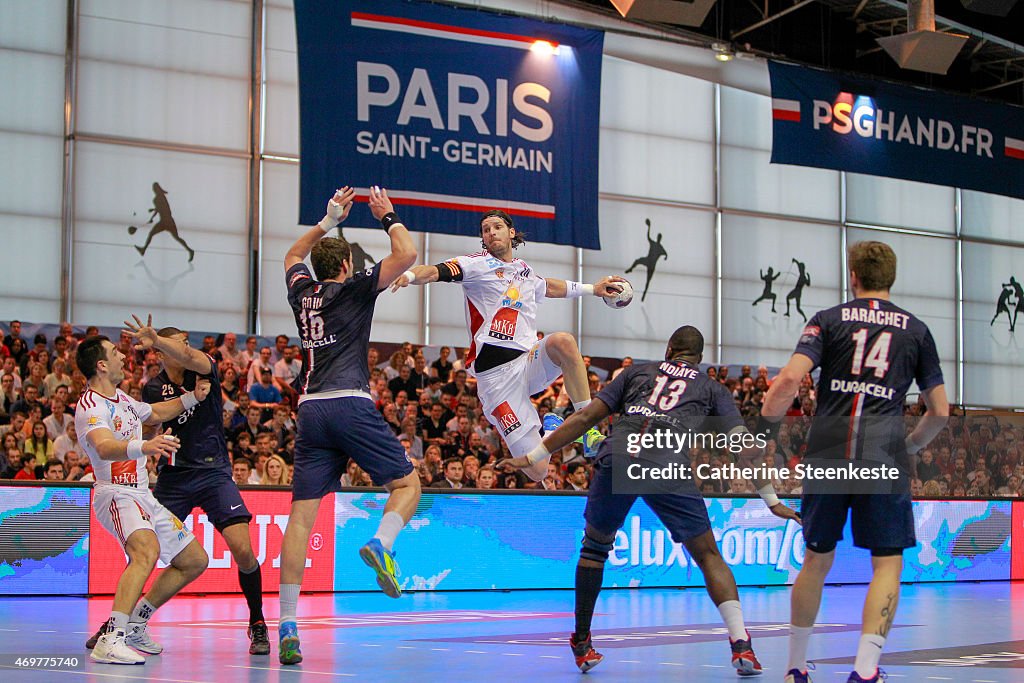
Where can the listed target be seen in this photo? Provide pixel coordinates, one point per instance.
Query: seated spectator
(76, 466)
(457, 386)
(248, 355)
(229, 350)
(57, 378)
(287, 370)
(28, 468)
(626, 362)
(486, 478)
(927, 470)
(68, 442)
(415, 442)
(29, 400)
(275, 472)
(390, 413)
(11, 463)
(433, 426)
(265, 395)
(256, 476)
(241, 468)
(470, 469)
(258, 366)
(8, 395)
(576, 478)
(39, 444)
(56, 423)
(395, 365)
(452, 478)
(351, 475)
(12, 442)
(229, 385)
(281, 425)
(425, 475)
(253, 424)
(243, 447)
(403, 382)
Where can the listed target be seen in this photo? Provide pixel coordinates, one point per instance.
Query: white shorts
(124, 511)
(504, 394)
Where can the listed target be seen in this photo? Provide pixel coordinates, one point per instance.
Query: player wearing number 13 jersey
(667, 397)
(869, 351)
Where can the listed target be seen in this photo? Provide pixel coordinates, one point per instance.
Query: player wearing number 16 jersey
(869, 351)
(337, 418)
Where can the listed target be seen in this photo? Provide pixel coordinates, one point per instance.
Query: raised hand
(785, 512)
(144, 334)
(402, 281)
(380, 204)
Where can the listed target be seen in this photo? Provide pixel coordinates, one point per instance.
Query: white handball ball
(623, 298)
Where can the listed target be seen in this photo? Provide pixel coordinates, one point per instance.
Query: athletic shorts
(213, 491)
(332, 430)
(504, 394)
(685, 517)
(123, 511)
(878, 520)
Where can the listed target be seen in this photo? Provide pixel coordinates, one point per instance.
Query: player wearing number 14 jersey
(869, 351)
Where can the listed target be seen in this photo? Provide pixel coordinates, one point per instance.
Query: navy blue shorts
(332, 430)
(685, 517)
(878, 521)
(180, 489)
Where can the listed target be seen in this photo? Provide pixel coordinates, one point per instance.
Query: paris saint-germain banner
(454, 111)
(831, 120)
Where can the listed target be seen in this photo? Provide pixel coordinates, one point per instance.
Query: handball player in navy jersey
(869, 350)
(646, 398)
(337, 419)
(198, 475)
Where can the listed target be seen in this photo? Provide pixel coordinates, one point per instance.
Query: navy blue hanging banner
(455, 111)
(847, 123)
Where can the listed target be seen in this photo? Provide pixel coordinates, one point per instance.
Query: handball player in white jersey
(502, 294)
(109, 425)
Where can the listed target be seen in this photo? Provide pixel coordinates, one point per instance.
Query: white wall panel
(207, 196)
(992, 216)
(900, 203)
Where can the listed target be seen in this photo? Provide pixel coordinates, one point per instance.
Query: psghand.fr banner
(454, 111)
(831, 120)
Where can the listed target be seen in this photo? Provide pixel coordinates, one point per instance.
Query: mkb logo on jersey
(507, 420)
(503, 326)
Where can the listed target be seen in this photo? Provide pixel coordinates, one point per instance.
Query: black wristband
(767, 427)
(389, 219)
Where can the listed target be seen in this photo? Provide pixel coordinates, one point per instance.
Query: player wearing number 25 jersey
(869, 351)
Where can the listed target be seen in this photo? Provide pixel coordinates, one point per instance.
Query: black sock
(588, 586)
(252, 587)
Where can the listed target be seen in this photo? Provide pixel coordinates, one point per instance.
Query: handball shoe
(586, 656)
(111, 648)
(288, 645)
(743, 658)
(383, 563)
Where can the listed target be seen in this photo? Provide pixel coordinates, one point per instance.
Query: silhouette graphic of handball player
(360, 259)
(802, 280)
(654, 252)
(162, 210)
(768, 278)
(1011, 288)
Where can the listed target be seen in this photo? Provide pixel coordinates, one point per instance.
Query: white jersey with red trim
(501, 301)
(123, 416)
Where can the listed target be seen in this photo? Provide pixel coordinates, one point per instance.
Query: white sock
(143, 611)
(798, 639)
(387, 532)
(732, 615)
(868, 653)
(120, 620)
(580, 405)
(289, 601)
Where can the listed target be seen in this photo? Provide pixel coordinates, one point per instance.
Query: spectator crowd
(433, 409)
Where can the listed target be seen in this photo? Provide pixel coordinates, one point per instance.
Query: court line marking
(511, 654)
(670, 664)
(368, 644)
(406, 647)
(284, 670)
(549, 657)
(475, 652)
(97, 673)
(623, 661)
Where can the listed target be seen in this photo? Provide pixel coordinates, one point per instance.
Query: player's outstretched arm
(168, 410)
(337, 210)
(567, 289)
(569, 431)
(146, 337)
(403, 251)
(417, 275)
(934, 420)
(108, 447)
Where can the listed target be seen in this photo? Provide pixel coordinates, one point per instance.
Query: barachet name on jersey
(876, 317)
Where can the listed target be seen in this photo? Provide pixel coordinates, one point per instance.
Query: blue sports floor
(967, 632)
